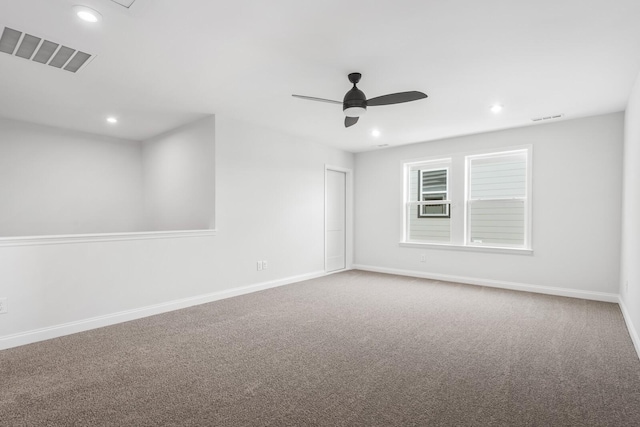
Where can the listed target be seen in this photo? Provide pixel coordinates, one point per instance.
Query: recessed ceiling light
(112, 120)
(375, 133)
(496, 108)
(87, 14)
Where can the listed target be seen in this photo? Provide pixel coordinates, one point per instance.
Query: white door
(335, 221)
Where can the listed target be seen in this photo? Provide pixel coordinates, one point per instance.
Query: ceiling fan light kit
(355, 102)
(355, 111)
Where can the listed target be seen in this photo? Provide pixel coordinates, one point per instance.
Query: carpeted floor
(350, 349)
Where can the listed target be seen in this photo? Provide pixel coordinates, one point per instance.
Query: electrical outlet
(265, 265)
(423, 258)
(259, 265)
(3, 305)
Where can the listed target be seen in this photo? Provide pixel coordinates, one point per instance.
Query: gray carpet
(351, 349)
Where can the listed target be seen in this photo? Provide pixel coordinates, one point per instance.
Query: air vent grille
(9, 40)
(61, 58)
(28, 46)
(36, 49)
(46, 51)
(540, 119)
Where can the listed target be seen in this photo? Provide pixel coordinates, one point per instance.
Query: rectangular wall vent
(37, 49)
(539, 119)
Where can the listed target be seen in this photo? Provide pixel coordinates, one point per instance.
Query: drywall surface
(630, 265)
(269, 206)
(54, 181)
(576, 196)
(178, 178)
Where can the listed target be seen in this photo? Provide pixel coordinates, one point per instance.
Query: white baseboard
(573, 293)
(55, 331)
(632, 330)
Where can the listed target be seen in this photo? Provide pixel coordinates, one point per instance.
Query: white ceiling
(162, 63)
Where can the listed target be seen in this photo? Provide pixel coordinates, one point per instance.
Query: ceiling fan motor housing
(355, 103)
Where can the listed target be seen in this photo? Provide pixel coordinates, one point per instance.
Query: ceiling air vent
(540, 119)
(43, 51)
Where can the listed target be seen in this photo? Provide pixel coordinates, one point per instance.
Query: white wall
(630, 265)
(269, 206)
(178, 178)
(576, 200)
(54, 181)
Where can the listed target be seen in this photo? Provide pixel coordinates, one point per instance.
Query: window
(433, 187)
(497, 199)
(474, 200)
(428, 205)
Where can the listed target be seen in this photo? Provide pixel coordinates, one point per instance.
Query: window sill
(463, 248)
(104, 237)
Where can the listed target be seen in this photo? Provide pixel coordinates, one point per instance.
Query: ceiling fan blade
(350, 121)
(311, 98)
(396, 98)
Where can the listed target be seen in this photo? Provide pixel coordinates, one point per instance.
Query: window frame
(526, 199)
(430, 163)
(457, 189)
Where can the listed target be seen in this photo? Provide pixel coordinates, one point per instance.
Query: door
(335, 220)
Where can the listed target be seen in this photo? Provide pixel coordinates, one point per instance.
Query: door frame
(348, 223)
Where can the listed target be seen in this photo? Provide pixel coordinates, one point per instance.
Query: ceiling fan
(355, 103)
